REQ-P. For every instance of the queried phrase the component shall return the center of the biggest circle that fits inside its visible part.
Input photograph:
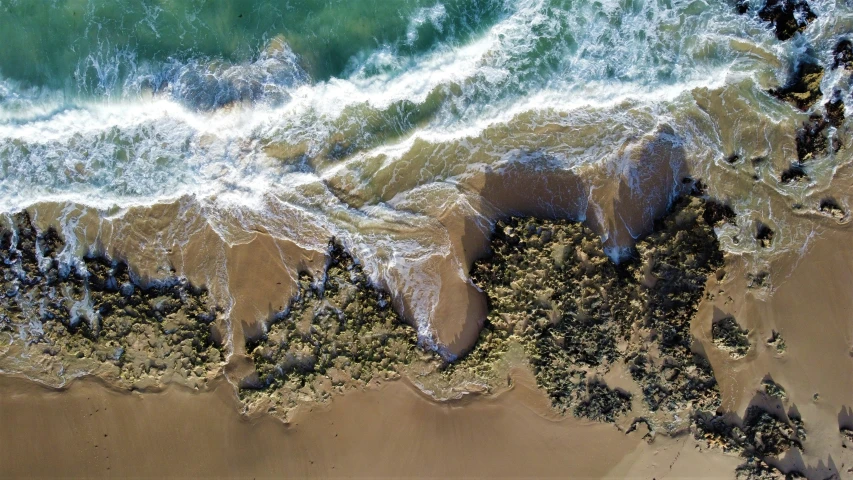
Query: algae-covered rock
(761, 434)
(95, 317)
(831, 208)
(768, 434)
(776, 341)
(794, 174)
(773, 389)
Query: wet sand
(90, 430)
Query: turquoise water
(369, 120)
(97, 47)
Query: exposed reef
(339, 331)
(550, 281)
(96, 317)
(552, 291)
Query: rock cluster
(95, 317)
(765, 432)
(338, 331)
(835, 109)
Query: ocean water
(375, 121)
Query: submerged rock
(773, 389)
(717, 213)
(760, 435)
(764, 235)
(803, 87)
(787, 16)
(96, 318)
(776, 341)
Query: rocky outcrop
(95, 317)
(803, 87)
(602, 403)
(787, 16)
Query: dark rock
(787, 16)
(591, 302)
(773, 389)
(842, 55)
(81, 312)
(811, 138)
(759, 435)
(831, 208)
(793, 174)
(764, 235)
(803, 87)
(342, 322)
(717, 213)
(777, 342)
(755, 469)
(835, 109)
(768, 434)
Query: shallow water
(403, 128)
